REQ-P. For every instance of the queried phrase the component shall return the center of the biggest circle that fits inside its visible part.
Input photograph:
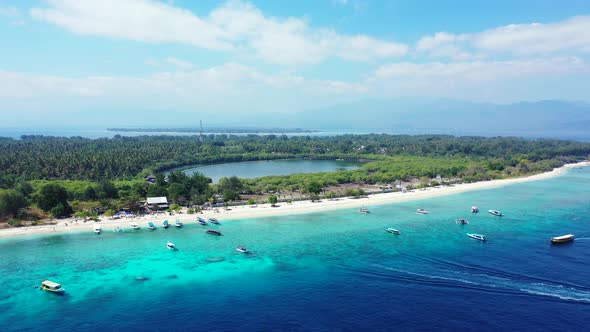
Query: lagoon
(259, 168)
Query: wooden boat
(178, 224)
(97, 229)
(477, 236)
(474, 209)
(213, 221)
(165, 224)
(152, 226)
(462, 221)
(201, 221)
(563, 238)
(134, 225)
(242, 249)
(392, 231)
(364, 210)
(495, 213)
(53, 287)
(422, 211)
(213, 232)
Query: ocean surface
(336, 270)
(579, 135)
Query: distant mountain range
(451, 116)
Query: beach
(71, 225)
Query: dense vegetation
(56, 176)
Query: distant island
(217, 130)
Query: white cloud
(217, 82)
(235, 26)
(570, 35)
(9, 11)
(473, 80)
(181, 64)
(139, 20)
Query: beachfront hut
(157, 203)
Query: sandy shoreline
(299, 207)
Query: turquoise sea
(336, 270)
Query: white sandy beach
(265, 210)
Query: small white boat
(422, 211)
(134, 225)
(97, 229)
(364, 210)
(178, 224)
(474, 209)
(53, 287)
(392, 231)
(213, 221)
(462, 221)
(477, 236)
(201, 221)
(242, 249)
(170, 246)
(495, 213)
(563, 238)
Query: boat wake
(478, 278)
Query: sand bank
(265, 210)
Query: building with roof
(157, 203)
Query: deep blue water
(336, 270)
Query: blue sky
(65, 57)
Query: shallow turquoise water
(325, 271)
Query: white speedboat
(201, 221)
(474, 209)
(170, 246)
(422, 211)
(134, 225)
(97, 229)
(392, 231)
(495, 213)
(563, 238)
(178, 224)
(213, 221)
(477, 236)
(242, 249)
(364, 210)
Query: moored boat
(422, 211)
(213, 221)
(97, 229)
(170, 246)
(53, 287)
(392, 231)
(242, 249)
(462, 221)
(364, 210)
(495, 213)
(165, 224)
(178, 223)
(152, 226)
(134, 225)
(477, 236)
(213, 232)
(563, 238)
(201, 221)
(474, 209)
